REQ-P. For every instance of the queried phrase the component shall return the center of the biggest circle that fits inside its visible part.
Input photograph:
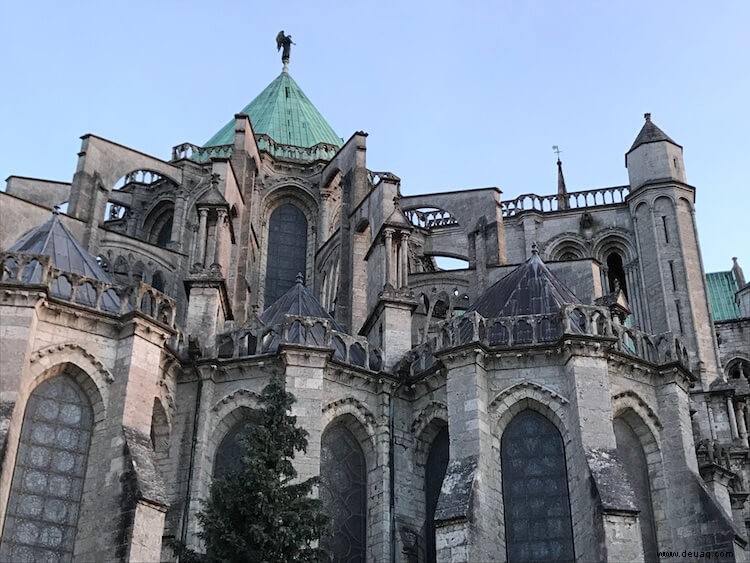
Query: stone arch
(294, 194)
(628, 419)
(631, 400)
(52, 461)
(235, 409)
(68, 361)
(93, 376)
(737, 366)
(433, 411)
(514, 398)
(536, 487)
(568, 243)
(345, 446)
(157, 224)
(364, 428)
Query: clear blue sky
(453, 94)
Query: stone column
(219, 236)
(388, 243)
(203, 216)
(741, 423)
(404, 260)
(732, 419)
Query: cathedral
(551, 377)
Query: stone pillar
(732, 419)
(305, 368)
(388, 244)
(202, 230)
(466, 514)
(741, 423)
(404, 260)
(220, 237)
(178, 221)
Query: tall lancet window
(287, 251)
(45, 494)
(630, 451)
(343, 492)
(437, 464)
(538, 526)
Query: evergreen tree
(259, 513)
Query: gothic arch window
(157, 281)
(538, 526)
(738, 368)
(437, 464)
(343, 491)
(45, 494)
(287, 250)
(228, 458)
(630, 452)
(616, 272)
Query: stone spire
(562, 192)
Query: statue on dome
(285, 41)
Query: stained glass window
(287, 251)
(228, 457)
(631, 453)
(343, 491)
(42, 514)
(538, 526)
(437, 463)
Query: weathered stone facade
(589, 309)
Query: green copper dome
(286, 115)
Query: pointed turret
(654, 157)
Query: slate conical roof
(284, 113)
(53, 239)
(298, 300)
(650, 133)
(530, 289)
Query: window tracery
(538, 525)
(45, 496)
(343, 492)
(287, 250)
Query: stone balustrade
(430, 218)
(301, 331)
(575, 200)
(321, 151)
(36, 270)
(525, 331)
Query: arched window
(164, 234)
(616, 273)
(538, 526)
(157, 281)
(228, 457)
(287, 251)
(437, 464)
(343, 491)
(630, 452)
(45, 494)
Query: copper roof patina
(284, 113)
(721, 288)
